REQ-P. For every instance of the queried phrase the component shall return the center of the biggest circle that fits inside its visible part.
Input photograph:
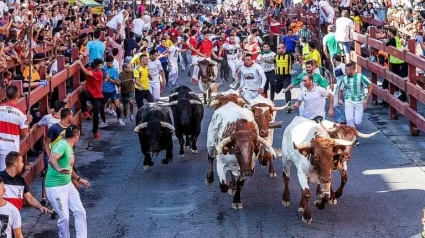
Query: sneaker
(103, 125)
(96, 135)
(131, 118)
(125, 120)
(113, 113)
(121, 122)
(356, 143)
(86, 115)
(194, 80)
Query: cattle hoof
(307, 221)
(194, 152)
(208, 183)
(273, 175)
(145, 166)
(237, 205)
(224, 188)
(333, 202)
(230, 191)
(301, 209)
(286, 204)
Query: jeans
(270, 81)
(86, 96)
(338, 110)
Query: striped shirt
(304, 33)
(354, 87)
(15, 189)
(12, 120)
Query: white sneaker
(103, 125)
(121, 122)
(113, 113)
(131, 118)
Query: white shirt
(116, 65)
(13, 120)
(173, 54)
(3, 9)
(231, 51)
(54, 68)
(258, 40)
(343, 26)
(328, 8)
(252, 78)
(345, 3)
(117, 19)
(314, 103)
(10, 219)
(48, 120)
(155, 68)
(267, 56)
(138, 25)
(339, 71)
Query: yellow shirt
(35, 76)
(168, 43)
(306, 52)
(136, 59)
(357, 19)
(141, 74)
(316, 56)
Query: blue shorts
(345, 46)
(110, 95)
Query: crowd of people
(151, 48)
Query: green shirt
(53, 177)
(354, 87)
(317, 80)
(332, 45)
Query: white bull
(306, 144)
(233, 139)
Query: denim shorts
(110, 95)
(345, 46)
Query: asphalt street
(384, 196)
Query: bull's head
(183, 109)
(222, 100)
(263, 114)
(320, 151)
(205, 71)
(244, 145)
(345, 132)
(155, 131)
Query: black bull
(188, 112)
(155, 132)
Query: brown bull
(348, 133)
(206, 79)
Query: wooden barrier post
(357, 47)
(61, 87)
(373, 75)
(413, 102)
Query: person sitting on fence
(33, 79)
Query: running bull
(234, 141)
(306, 144)
(188, 112)
(155, 132)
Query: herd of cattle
(240, 133)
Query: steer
(344, 132)
(309, 147)
(233, 139)
(188, 112)
(155, 132)
(265, 112)
(225, 97)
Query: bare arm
(85, 71)
(18, 232)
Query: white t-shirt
(252, 78)
(138, 25)
(10, 219)
(343, 26)
(173, 54)
(3, 8)
(345, 3)
(329, 10)
(48, 120)
(13, 119)
(231, 51)
(117, 19)
(53, 68)
(267, 56)
(154, 69)
(258, 40)
(314, 103)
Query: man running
(253, 79)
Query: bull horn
(366, 136)
(266, 144)
(192, 93)
(281, 108)
(343, 142)
(174, 94)
(195, 102)
(140, 126)
(219, 146)
(167, 125)
(170, 104)
(302, 145)
(214, 102)
(329, 130)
